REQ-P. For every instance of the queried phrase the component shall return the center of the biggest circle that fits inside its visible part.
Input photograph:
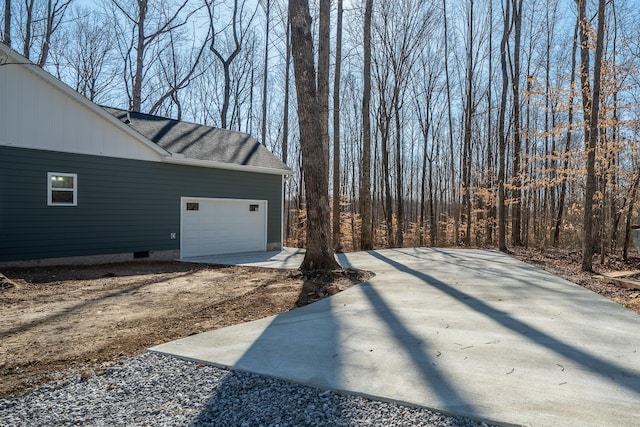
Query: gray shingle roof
(201, 142)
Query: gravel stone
(160, 390)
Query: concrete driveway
(467, 332)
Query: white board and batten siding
(222, 226)
(48, 115)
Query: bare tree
(141, 46)
(468, 121)
(267, 13)
(565, 163)
(90, 55)
(37, 24)
(452, 171)
(502, 136)
(285, 118)
(366, 240)
(591, 102)
(239, 29)
(319, 254)
(177, 71)
(54, 16)
(516, 193)
(424, 99)
(400, 31)
(336, 131)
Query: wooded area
(467, 122)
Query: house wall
(123, 205)
(36, 113)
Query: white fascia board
(18, 60)
(181, 160)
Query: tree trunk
(632, 203)
(285, 119)
(324, 38)
(491, 216)
(454, 207)
(319, 254)
(6, 37)
(366, 240)
(26, 51)
(336, 133)
(516, 194)
(265, 74)
(136, 98)
(226, 62)
(502, 240)
(399, 240)
(591, 126)
(44, 51)
(468, 119)
(384, 124)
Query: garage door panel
(223, 226)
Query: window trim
(50, 189)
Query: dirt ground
(78, 320)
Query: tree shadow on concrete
(624, 377)
(312, 333)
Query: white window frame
(50, 189)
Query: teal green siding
(123, 205)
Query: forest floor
(78, 320)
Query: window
(193, 206)
(253, 208)
(62, 189)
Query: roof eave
(227, 166)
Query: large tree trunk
(591, 101)
(319, 253)
(336, 132)
(366, 240)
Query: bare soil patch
(78, 320)
(567, 264)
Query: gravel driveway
(158, 390)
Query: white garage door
(222, 226)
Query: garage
(222, 226)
